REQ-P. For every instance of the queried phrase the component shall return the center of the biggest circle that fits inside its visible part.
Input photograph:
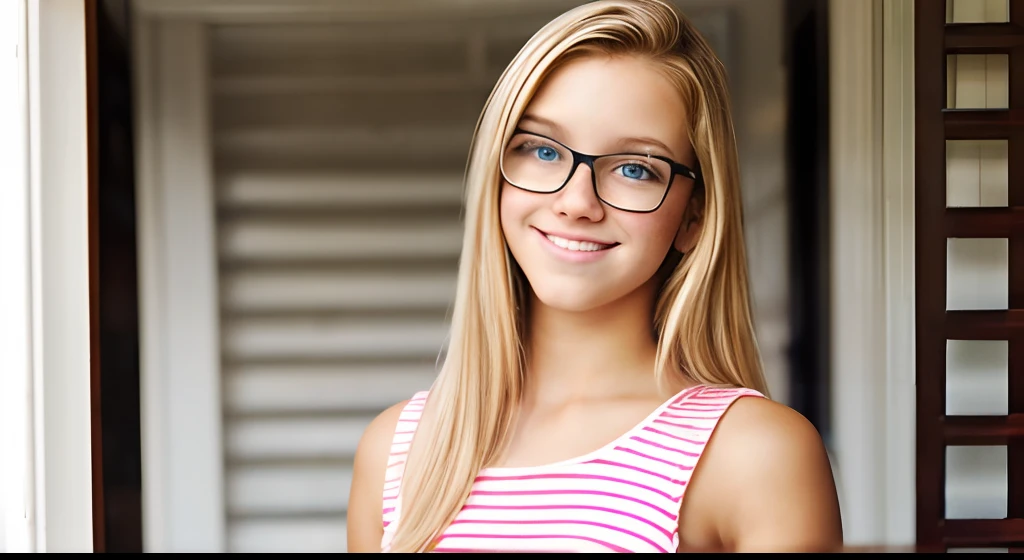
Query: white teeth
(576, 245)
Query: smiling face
(578, 252)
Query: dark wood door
(936, 223)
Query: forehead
(595, 102)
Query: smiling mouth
(580, 246)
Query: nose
(578, 198)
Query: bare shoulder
(365, 504)
(763, 426)
(772, 479)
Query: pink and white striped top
(623, 497)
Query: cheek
(657, 231)
(514, 206)
(656, 238)
(506, 210)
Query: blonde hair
(703, 318)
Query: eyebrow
(541, 121)
(643, 142)
(631, 143)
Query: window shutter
(339, 153)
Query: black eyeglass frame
(589, 159)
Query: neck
(600, 352)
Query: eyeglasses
(629, 182)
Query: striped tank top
(623, 497)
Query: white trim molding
(898, 189)
(17, 487)
(183, 472)
(871, 143)
(46, 459)
(58, 178)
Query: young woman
(601, 331)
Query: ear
(693, 221)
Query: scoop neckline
(604, 448)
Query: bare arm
(365, 503)
(770, 482)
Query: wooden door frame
(936, 124)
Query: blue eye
(633, 171)
(547, 153)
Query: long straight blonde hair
(703, 317)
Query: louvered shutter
(339, 151)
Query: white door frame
(872, 201)
(182, 475)
(872, 266)
(46, 459)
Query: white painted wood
(311, 190)
(980, 81)
(276, 535)
(963, 173)
(971, 81)
(977, 173)
(858, 296)
(344, 144)
(150, 286)
(17, 466)
(58, 275)
(993, 173)
(312, 337)
(289, 489)
(977, 272)
(302, 239)
(349, 289)
(997, 81)
(897, 504)
(58, 175)
(872, 268)
(183, 495)
(977, 11)
(977, 377)
(272, 389)
(296, 438)
(976, 482)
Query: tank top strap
(689, 420)
(408, 420)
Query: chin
(575, 299)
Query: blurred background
(279, 227)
